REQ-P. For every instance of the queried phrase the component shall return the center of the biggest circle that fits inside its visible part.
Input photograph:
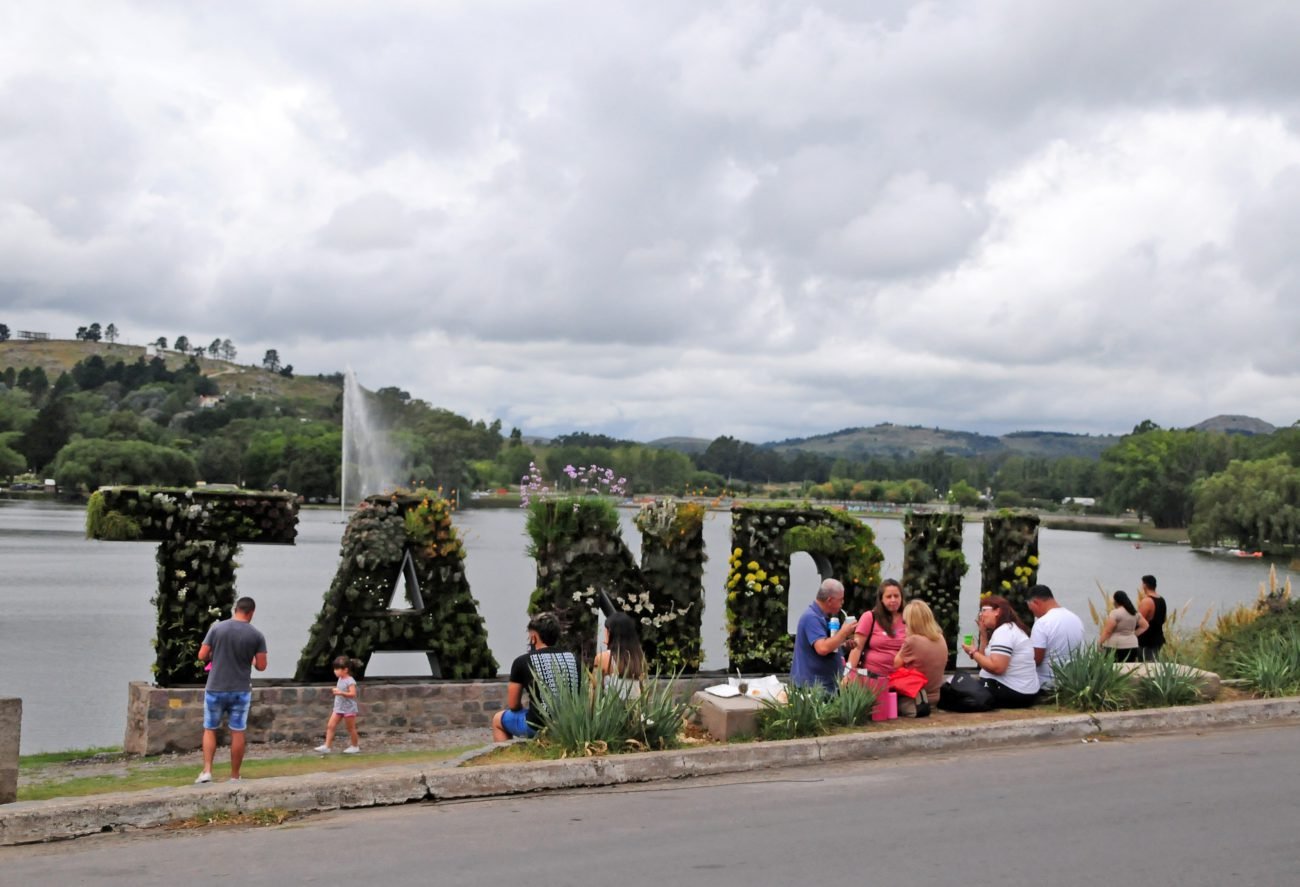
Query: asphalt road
(1214, 809)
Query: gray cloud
(678, 219)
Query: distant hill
(888, 439)
(57, 356)
(688, 445)
(1235, 425)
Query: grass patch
(35, 762)
(143, 773)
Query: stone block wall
(162, 719)
(11, 718)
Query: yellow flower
(752, 565)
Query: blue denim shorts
(233, 704)
(516, 723)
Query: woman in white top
(622, 663)
(1004, 654)
(1122, 627)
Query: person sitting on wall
(621, 665)
(556, 668)
(880, 633)
(1056, 634)
(924, 648)
(1004, 654)
(817, 659)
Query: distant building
(29, 336)
(1082, 501)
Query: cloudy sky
(764, 219)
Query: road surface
(1212, 809)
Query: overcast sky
(764, 219)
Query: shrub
(804, 714)
(1089, 681)
(591, 719)
(658, 715)
(851, 707)
(585, 718)
(1244, 637)
(1166, 683)
(1269, 663)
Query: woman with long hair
(1004, 654)
(622, 663)
(924, 648)
(880, 633)
(1121, 629)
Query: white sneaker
(323, 749)
(352, 750)
(205, 776)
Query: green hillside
(56, 356)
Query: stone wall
(161, 719)
(11, 718)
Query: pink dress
(879, 659)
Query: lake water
(76, 624)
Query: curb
(39, 821)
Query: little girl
(345, 706)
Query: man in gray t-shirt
(234, 648)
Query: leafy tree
(1153, 471)
(214, 348)
(110, 333)
(90, 464)
(80, 334)
(34, 381)
(182, 344)
(52, 429)
(228, 351)
(516, 439)
(11, 461)
(4, 333)
(219, 461)
(160, 343)
(1253, 504)
(287, 371)
(94, 333)
(963, 495)
(271, 360)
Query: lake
(76, 624)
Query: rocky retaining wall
(162, 719)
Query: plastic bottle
(833, 624)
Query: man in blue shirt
(817, 658)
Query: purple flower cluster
(592, 479)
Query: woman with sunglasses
(1004, 654)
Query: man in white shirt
(1056, 634)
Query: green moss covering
(396, 542)
(763, 539)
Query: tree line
(117, 422)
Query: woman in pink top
(881, 632)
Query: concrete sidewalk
(37, 821)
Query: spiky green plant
(1269, 663)
(1091, 680)
(1167, 683)
(803, 714)
(851, 707)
